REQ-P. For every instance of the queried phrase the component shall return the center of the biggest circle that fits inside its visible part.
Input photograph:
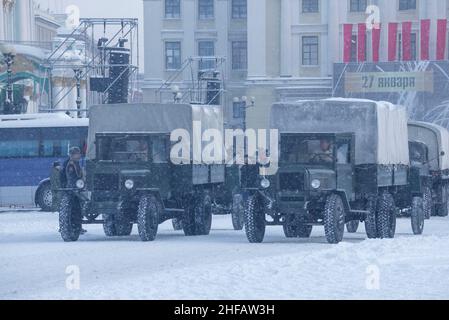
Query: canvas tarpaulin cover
(380, 128)
(436, 138)
(150, 118)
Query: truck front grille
(106, 182)
(293, 182)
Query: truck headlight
(80, 184)
(265, 183)
(129, 184)
(316, 184)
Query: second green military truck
(341, 161)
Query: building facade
(281, 50)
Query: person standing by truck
(72, 168)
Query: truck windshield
(316, 151)
(133, 149)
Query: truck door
(345, 166)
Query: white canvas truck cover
(437, 140)
(150, 118)
(380, 128)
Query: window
(173, 55)
(407, 4)
(237, 109)
(206, 49)
(239, 9)
(310, 6)
(310, 51)
(206, 9)
(239, 55)
(358, 5)
(172, 9)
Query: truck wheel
(293, 228)
(148, 217)
(238, 212)
(370, 219)
(352, 226)
(118, 225)
(386, 216)
(70, 220)
(255, 223)
(304, 231)
(177, 224)
(444, 209)
(109, 226)
(44, 197)
(334, 219)
(290, 227)
(417, 215)
(123, 223)
(198, 218)
(427, 203)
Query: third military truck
(429, 147)
(341, 162)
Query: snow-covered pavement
(35, 263)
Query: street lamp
(244, 106)
(9, 54)
(78, 75)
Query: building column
(257, 39)
(286, 38)
(334, 50)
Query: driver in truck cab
(325, 154)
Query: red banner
(392, 41)
(347, 34)
(441, 38)
(376, 43)
(406, 41)
(425, 36)
(361, 39)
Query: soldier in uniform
(72, 168)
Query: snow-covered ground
(35, 263)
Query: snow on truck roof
(436, 138)
(380, 127)
(41, 120)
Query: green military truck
(132, 178)
(429, 146)
(341, 162)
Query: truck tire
(198, 218)
(417, 215)
(443, 211)
(177, 224)
(148, 217)
(427, 203)
(334, 219)
(70, 219)
(296, 229)
(238, 212)
(352, 226)
(255, 223)
(118, 225)
(371, 218)
(109, 226)
(44, 197)
(386, 216)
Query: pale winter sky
(103, 9)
